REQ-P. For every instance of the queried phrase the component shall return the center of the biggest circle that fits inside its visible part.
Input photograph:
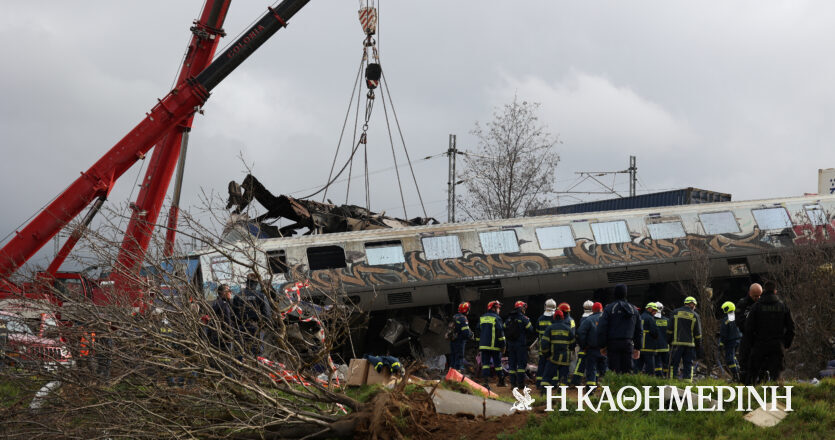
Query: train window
(816, 215)
(221, 269)
(326, 257)
(436, 248)
(384, 252)
(719, 223)
(555, 237)
(772, 218)
(499, 242)
(666, 230)
(277, 261)
(610, 232)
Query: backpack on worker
(513, 328)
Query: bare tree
(174, 366)
(513, 169)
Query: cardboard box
(357, 372)
(381, 378)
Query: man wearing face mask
(729, 337)
(252, 308)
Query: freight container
(686, 196)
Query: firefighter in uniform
(557, 343)
(589, 343)
(580, 366)
(729, 337)
(542, 324)
(769, 329)
(491, 341)
(662, 353)
(460, 335)
(649, 340)
(686, 334)
(517, 327)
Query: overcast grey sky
(735, 97)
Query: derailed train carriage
(406, 281)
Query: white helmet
(550, 305)
(588, 304)
(659, 306)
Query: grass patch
(813, 418)
(363, 393)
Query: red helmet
(596, 307)
(558, 314)
(464, 307)
(520, 304)
(493, 305)
(564, 307)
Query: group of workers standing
(621, 338)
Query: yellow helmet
(689, 300)
(728, 307)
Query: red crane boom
(172, 110)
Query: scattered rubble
(316, 217)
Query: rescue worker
(769, 329)
(589, 343)
(517, 327)
(662, 353)
(378, 362)
(542, 324)
(222, 330)
(253, 311)
(556, 343)
(491, 341)
(742, 309)
(729, 337)
(649, 340)
(460, 335)
(579, 366)
(620, 332)
(686, 335)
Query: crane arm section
(173, 109)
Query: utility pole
(633, 176)
(610, 189)
(451, 183)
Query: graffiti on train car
(474, 265)
(641, 249)
(417, 269)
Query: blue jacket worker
(460, 335)
(517, 328)
(491, 341)
(729, 337)
(542, 324)
(650, 340)
(686, 335)
(662, 352)
(557, 343)
(590, 344)
(620, 331)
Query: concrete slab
(450, 402)
(767, 419)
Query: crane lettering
(244, 41)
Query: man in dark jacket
(222, 328)
(769, 329)
(620, 330)
(685, 334)
(491, 341)
(729, 337)
(460, 335)
(662, 353)
(517, 328)
(253, 311)
(742, 309)
(650, 337)
(589, 342)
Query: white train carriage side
(389, 269)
